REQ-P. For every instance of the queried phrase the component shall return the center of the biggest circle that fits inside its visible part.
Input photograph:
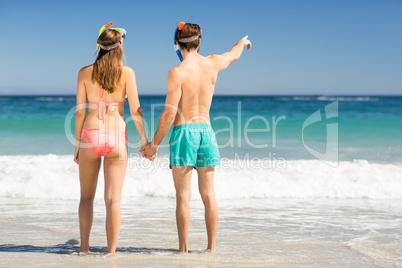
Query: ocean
(304, 181)
(369, 127)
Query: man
(193, 143)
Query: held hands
(149, 151)
(246, 42)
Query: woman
(103, 131)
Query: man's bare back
(197, 76)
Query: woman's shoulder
(127, 70)
(127, 73)
(86, 69)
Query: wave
(56, 176)
(55, 98)
(329, 98)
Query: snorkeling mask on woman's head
(120, 30)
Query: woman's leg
(115, 165)
(89, 165)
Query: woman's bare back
(100, 115)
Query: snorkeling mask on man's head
(182, 40)
(120, 30)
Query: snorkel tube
(176, 48)
(103, 28)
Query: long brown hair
(108, 66)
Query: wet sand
(252, 233)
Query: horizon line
(220, 95)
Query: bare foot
(109, 255)
(84, 250)
(181, 251)
(208, 250)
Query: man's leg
(182, 183)
(206, 188)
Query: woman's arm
(135, 108)
(80, 112)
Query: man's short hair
(189, 30)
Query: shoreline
(239, 156)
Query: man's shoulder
(215, 60)
(175, 71)
(175, 75)
(214, 56)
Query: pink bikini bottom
(103, 141)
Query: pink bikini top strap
(100, 92)
(105, 104)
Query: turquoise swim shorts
(193, 145)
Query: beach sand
(252, 233)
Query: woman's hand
(149, 151)
(76, 153)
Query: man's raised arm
(224, 60)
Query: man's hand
(149, 151)
(246, 42)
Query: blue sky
(299, 46)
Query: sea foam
(56, 176)
(330, 98)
